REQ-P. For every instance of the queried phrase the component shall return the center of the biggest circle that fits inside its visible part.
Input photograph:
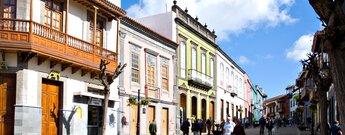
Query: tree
(107, 80)
(331, 13)
(322, 83)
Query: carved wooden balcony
(43, 41)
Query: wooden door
(134, 119)
(212, 112)
(151, 116)
(7, 101)
(50, 108)
(165, 121)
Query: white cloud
(300, 48)
(227, 17)
(243, 60)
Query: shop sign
(95, 102)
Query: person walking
(269, 126)
(262, 123)
(335, 128)
(201, 126)
(153, 128)
(228, 127)
(238, 129)
(208, 126)
(195, 127)
(185, 127)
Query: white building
(50, 53)
(230, 88)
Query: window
(194, 58)
(227, 75)
(211, 66)
(8, 8)
(99, 29)
(53, 15)
(182, 59)
(203, 63)
(135, 70)
(221, 71)
(165, 72)
(151, 70)
(232, 78)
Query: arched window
(194, 58)
(227, 75)
(221, 72)
(182, 59)
(211, 67)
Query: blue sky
(267, 38)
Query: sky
(267, 38)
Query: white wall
(163, 23)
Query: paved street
(279, 131)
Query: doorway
(7, 101)
(51, 104)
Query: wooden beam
(93, 75)
(65, 66)
(41, 59)
(28, 56)
(84, 72)
(53, 63)
(75, 69)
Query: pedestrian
(201, 126)
(269, 126)
(335, 128)
(153, 128)
(228, 127)
(262, 123)
(208, 125)
(195, 127)
(238, 129)
(246, 122)
(185, 127)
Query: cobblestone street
(279, 131)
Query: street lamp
(138, 119)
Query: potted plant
(312, 108)
(132, 101)
(145, 102)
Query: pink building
(248, 99)
(150, 60)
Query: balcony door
(98, 40)
(8, 10)
(53, 15)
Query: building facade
(248, 96)
(151, 68)
(230, 88)
(50, 55)
(196, 61)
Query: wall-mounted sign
(95, 101)
(55, 75)
(3, 65)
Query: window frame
(165, 62)
(52, 10)
(2, 11)
(135, 50)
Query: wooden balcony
(17, 35)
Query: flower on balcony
(296, 97)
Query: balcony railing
(53, 42)
(200, 79)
